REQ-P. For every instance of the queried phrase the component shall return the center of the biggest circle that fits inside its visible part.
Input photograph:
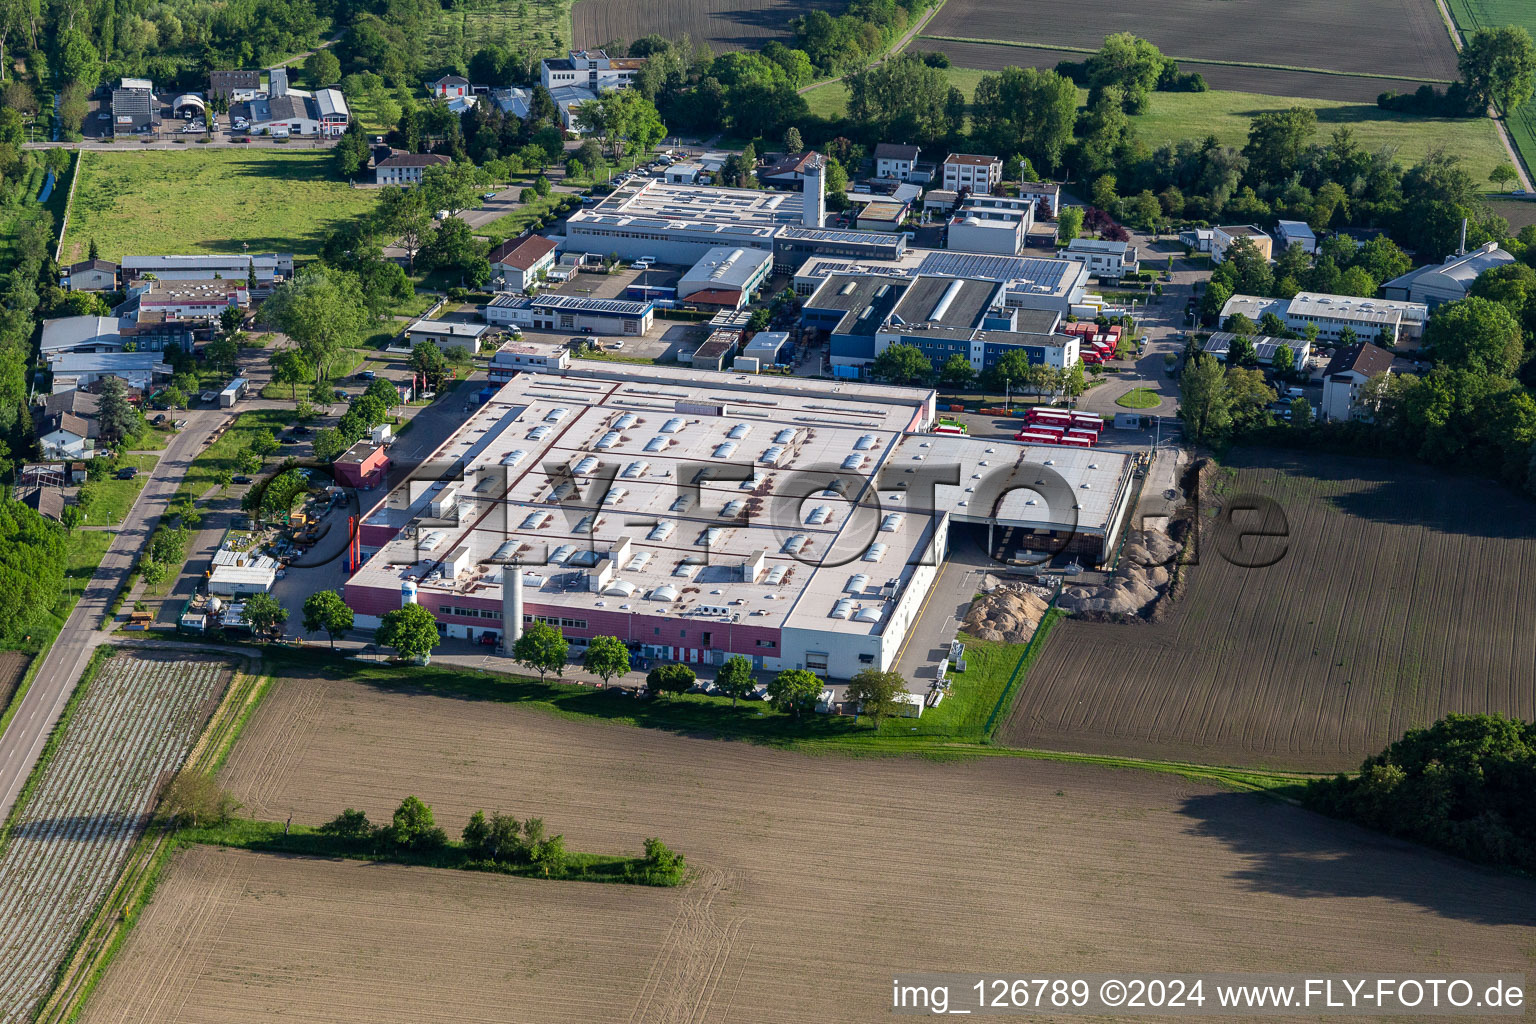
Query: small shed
(237, 580)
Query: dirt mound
(1140, 580)
(1009, 613)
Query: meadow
(201, 200)
(1471, 15)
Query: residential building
(788, 171)
(895, 161)
(1198, 239)
(283, 111)
(590, 69)
(407, 168)
(89, 276)
(363, 466)
(1436, 284)
(447, 334)
(47, 502)
(1223, 236)
(571, 313)
(1103, 257)
(450, 87)
(980, 174)
(65, 435)
(1388, 320)
(1295, 232)
(997, 225)
(1346, 375)
(1219, 345)
(725, 277)
(234, 86)
(517, 263)
(1038, 192)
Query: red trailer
(1081, 434)
(1049, 415)
(1072, 441)
(1088, 421)
(1035, 437)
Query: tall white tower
(511, 605)
(814, 208)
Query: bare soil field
(1389, 37)
(820, 878)
(723, 24)
(1269, 81)
(1403, 595)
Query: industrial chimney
(511, 605)
(814, 210)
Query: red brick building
(362, 466)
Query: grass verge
(307, 841)
(107, 499)
(1139, 398)
(220, 456)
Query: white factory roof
(1253, 306)
(1023, 274)
(728, 267)
(1316, 305)
(448, 328)
(818, 427)
(601, 475)
(1462, 269)
(650, 204)
(331, 101)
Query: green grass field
(1139, 398)
(108, 499)
(218, 457)
(208, 201)
(542, 27)
(1193, 115)
(1472, 15)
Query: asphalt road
(24, 738)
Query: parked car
(341, 396)
(366, 375)
(242, 479)
(489, 195)
(127, 473)
(617, 345)
(301, 431)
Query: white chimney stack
(511, 605)
(814, 210)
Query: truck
(382, 434)
(233, 392)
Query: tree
(669, 678)
(71, 517)
(222, 352)
(116, 418)
(323, 310)
(411, 631)
(32, 560)
(193, 798)
(902, 364)
(321, 69)
(793, 145)
(1271, 326)
(351, 825)
(1203, 404)
(453, 188)
(542, 648)
(1069, 223)
(836, 180)
(795, 690)
(735, 677)
(1025, 110)
(1475, 334)
(1503, 174)
(606, 657)
(957, 372)
(1238, 323)
(1498, 65)
(877, 694)
(1242, 351)
(290, 367)
(264, 615)
(414, 828)
(325, 610)
(404, 216)
(427, 361)
(1284, 360)
(330, 444)
(455, 248)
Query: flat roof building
(571, 313)
(1436, 284)
(668, 507)
(728, 276)
(1369, 319)
(447, 334)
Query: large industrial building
(1054, 285)
(695, 515)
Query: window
(767, 643)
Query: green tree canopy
(411, 631)
(1203, 404)
(325, 610)
(877, 694)
(264, 615)
(795, 690)
(606, 657)
(903, 364)
(1475, 334)
(542, 648)
(670, 678)
(735, 677)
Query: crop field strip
(1270, 81)
(1387, 38)
(129, 731)
(723, 24)
(1403, 596)
(1002, 862)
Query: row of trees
(907, 364)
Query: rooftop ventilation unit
(842, 609)
(875, 553)
(585, 466)
(710, 535)
(556, 415)
(638, 562)
(739, 431)
(513, 457)
(773, 454)
(560, 491)
(732, 509)
(775, 575)
(725, 450)
(890, 523)
(857, 583)
(635, 469)
(534, 520)
(661, 531)
(819, 515)
(673, 425)
(665, 592)
(794, 544)
(584, 525)
(864, 443)
(608, 440)
(869, 613)
(682, 502)
(623, 421)
(655, 444)
(539, 432)
(784, 436)
(561, 553)
(619, 588)
(853, 461)
(614, 496)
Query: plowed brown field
(723, 24)
(820, 878)
(1404, 595)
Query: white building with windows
(978, 173)
(1369, 319)
(895, 161)
(1103, 257)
